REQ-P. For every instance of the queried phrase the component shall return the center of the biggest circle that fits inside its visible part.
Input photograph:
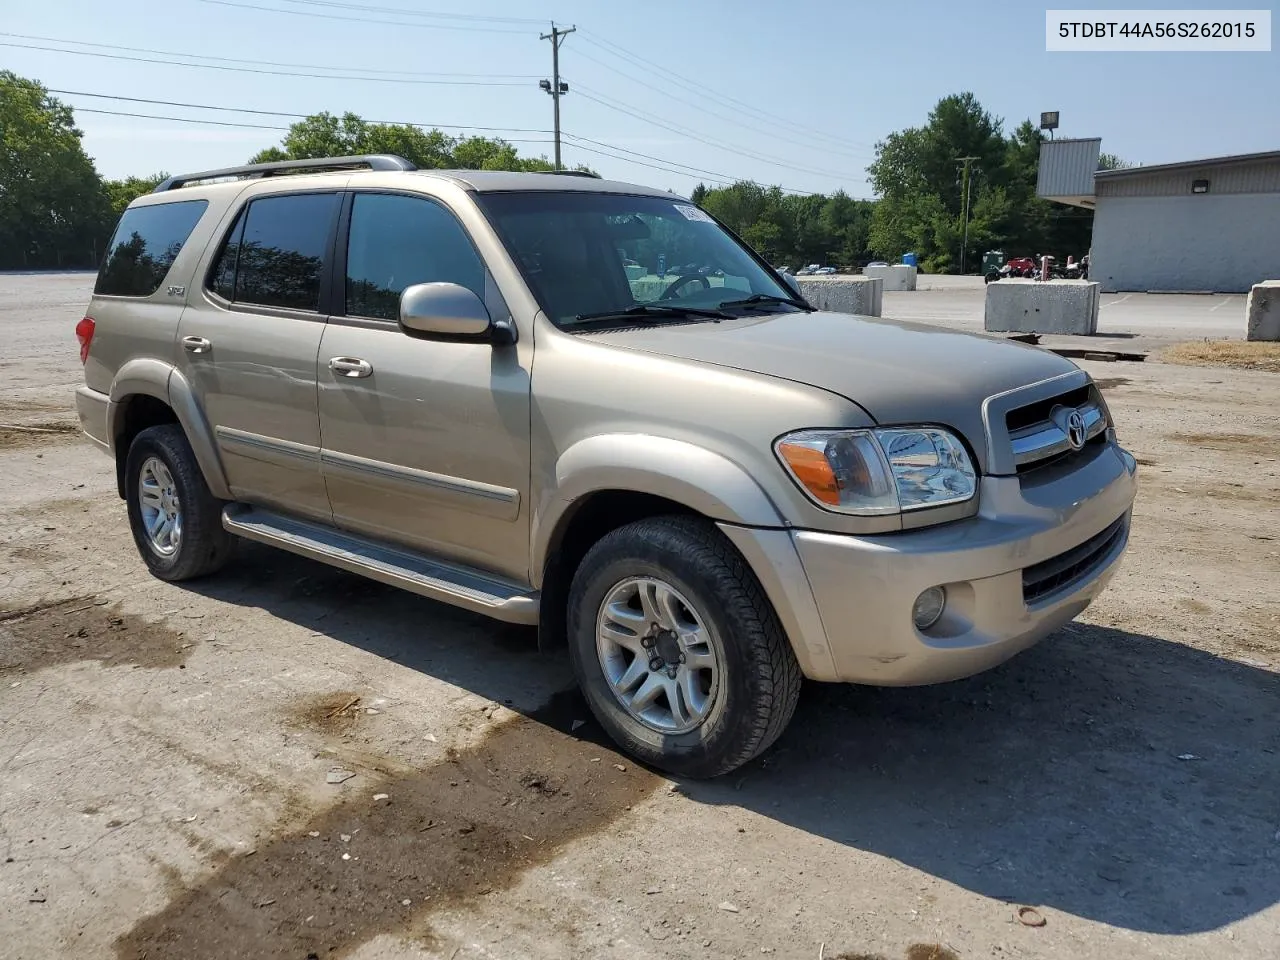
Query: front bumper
(853, 622)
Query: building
(1199, 226)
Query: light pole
(965, 243)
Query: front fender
(685, 473)
(155, 378)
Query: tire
(201, 545)
(749, 696)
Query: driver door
(424, 442)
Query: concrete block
(896, 276)
(861, 295)
(1036, 306)
(1263, 311)
(905, 275)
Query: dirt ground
(286, 761)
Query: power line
(719, 179)
(641, 163)
(405, 11)
(338, 16)
(721, 116)
(272, 73)
(686, 170)
(280, 113)
(668, 166)
(267, 63)
(148, 116)
(701, 90)
(721, 145)
(693, 170)
(223, 123)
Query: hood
(899, 373)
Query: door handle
(196, 345)
(351, 367)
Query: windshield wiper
(648, 310)
(765, 299)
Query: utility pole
(554, 86)
(965, 243)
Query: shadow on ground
(1117, 777)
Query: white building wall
(1219, 243)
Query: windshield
(589, 255)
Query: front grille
(1058, 573)
(1038, 412)
(1039, 441)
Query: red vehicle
(1021, 267)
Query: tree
(328, 135)
(53, 207)
(121, 193)
(1109, 161)
(918, 174)
(792, 228)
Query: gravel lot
(165, 750)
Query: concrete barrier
(1262, 313)
(1038, 306)
(896, 276)
(860, 295)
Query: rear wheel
(677, 650)
(175, 520)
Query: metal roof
(1270, 155)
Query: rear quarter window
(146, 242)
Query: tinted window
(144, 246)
(399, 241)
(223, 279)
(595, 253)
(282, 249)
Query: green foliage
(1109, 161)
(919, 178)
(121, 193)
(791, 229)
(919, 174)
(56, 211)
(327, 135)
(53, 207)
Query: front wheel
(677, 650)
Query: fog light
(928, 607)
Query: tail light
(84, 333)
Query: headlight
(873, 472)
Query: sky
(662, 93)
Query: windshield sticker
(693, 213)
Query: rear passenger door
(248, 346)
(427, 442)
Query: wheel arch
(147, 392)
(607, 481)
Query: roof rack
(569, 173)
(319, 165)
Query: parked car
(442, 381)
(876, 263)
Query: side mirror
(794, 284)
(444, 310)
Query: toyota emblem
(1076, 434)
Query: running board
(415, 572)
